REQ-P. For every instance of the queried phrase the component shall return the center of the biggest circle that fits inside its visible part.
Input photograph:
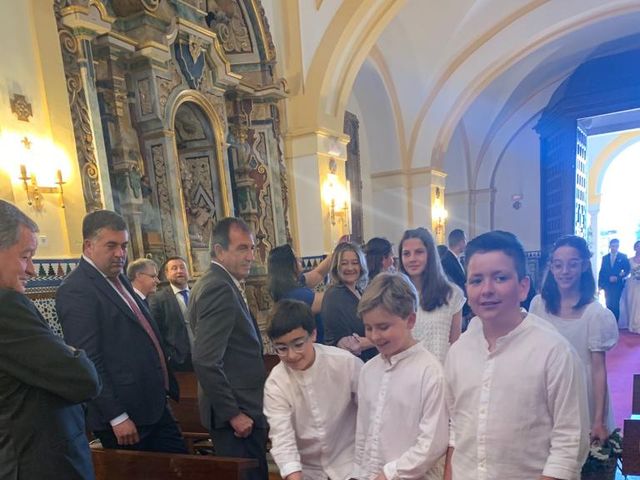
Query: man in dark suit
(169, 308)
(100, 313)
(452, 266)
(613, 271)
(227, 352)
(143, 275)
(42, 380)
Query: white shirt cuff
(289, 468)
(119, 419)
(390, 470)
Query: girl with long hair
(287, 280)
(343, 327)
(568, 302)
(439, 318)
(379, 254)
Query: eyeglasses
(152, 275)
(297, 346)
(571, 265)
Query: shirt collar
(239, 284)
(90, 262)
(177, 290)
(139, 293)
(398, 357)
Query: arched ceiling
(492, 63)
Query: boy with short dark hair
(516, 394)
(310, 399)
(402, 427)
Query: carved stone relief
(163, 199)
(228, 22)
(167, 85)
(144, 94)
(71, 53)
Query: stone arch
(346, 43)
(603, 160)
(198, 158)
(477, 84)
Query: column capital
(321, 142)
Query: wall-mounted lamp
(35, 191)
(335, 195)
(438, 213)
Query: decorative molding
(164, 199)
(21, 107)
(83, 133)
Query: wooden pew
(127, 464)
(631, 434)
(186, 411)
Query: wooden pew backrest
(126, 464)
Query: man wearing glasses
(143, 275)
(312, 427)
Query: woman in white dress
(568, 302)
(630, 300)
(439, 317)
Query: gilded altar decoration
(227, 19)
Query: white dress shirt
(402, 417)
(520, 411)
(312, 415)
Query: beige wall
(32, 66)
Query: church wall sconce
(335, 196)
(438, 213)
(35, 192)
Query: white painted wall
(519, 172)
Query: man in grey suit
(42, 380)
(169, 308)
(227, 351)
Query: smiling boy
(310, 399)
(515, 390)
(402, 416)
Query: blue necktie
(185, 296)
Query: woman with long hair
(567, 301)
(439, 318)
(379, 254)
(287, 280)
(342, 326)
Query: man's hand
(613, 278)
(242, 425)
(294, 476)
(126, 433)
(380, 476)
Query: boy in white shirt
(402, 430)
(310, 399)
(516, 394)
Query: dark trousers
(612, 297)
(226, 444)
(163, 436)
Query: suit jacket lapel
(238, 293)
